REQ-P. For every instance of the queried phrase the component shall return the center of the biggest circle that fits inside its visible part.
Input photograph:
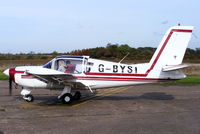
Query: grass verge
(2, 76)
(189, 80)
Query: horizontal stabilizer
(173, 67)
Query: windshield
(48, 65)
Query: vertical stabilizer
(172, 47)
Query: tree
(54, 54)
(123, 50)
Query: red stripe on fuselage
(26, 77)
(154, 62)
(115, 74)
(122, 79)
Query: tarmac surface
(144, 109)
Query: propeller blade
(10, 86)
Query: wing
(51, 76)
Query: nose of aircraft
(6, 72)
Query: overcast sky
(65, 25)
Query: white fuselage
(103, 74)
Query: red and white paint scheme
(71, 73)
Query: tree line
(117, 52)
(112, 52)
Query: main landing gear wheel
(77, 95)
(29, 98)
(67, 98)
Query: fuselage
(97, 73)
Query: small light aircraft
(73, 73)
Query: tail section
(172, 47)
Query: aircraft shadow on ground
(146, 96)
(44, 101)
(53, 101)
(48, 101)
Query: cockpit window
(69, 65)
(48, 65)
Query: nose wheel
(26, 93)
(28, 98)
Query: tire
(29, 98)
(67, 98)
(77, 95)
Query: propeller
(10, 86)
(10, 73)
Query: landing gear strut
(77, 95)
(26, 93)
(66, 97)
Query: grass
(2, 76)
(194, 79)
(189, 80)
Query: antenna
(124, 57)
(195, 35)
